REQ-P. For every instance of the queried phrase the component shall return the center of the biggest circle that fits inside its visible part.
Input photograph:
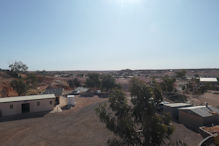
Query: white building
(71, 100)
(26, 104)
(208, 80)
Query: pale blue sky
(109, 34)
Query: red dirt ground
(79, 126)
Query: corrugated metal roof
(177, 104)
(208, 79)
(203, 111)
(192, 107)
(26, 98)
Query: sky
(109, 34)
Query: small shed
(197, 116)
(172, 109)
(71, 100)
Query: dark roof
(56, 91)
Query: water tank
(71, 100)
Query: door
(25, 108)
(0, 113)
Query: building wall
(193, 121)
(173, 111)
(44, 105)
(216, 140)
(190, 120)
(208, 121)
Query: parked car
(76, 92)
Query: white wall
(17, 108)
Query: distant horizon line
(82, 70)
(125, 69)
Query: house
(209, 81)
(26, 104)
(172, 109)
(197, 116)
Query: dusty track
(75, 128)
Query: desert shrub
(181, 74)
(19, 86)
(93, 80)
(176, 97)
(74, 83)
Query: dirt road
(76, 128)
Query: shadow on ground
(23, 116)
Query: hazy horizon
(109, 34)
(155, 69)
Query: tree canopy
(181, 74)
(108, 82)
(93, 80)
(136, 122)
(167, 85)
(19, 86)
(74, 83)
(105, 82)
(18, 66)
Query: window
(50, 102)
(38, 103)
(11, 106)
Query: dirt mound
(6, 90)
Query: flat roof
(192, 107)
(26, 98)
(177, 104)
(208, 79)
(70, 96)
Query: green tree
(93, 80)
(74, 83)
(167, 85)
(32, 80)
(196, 75)
(181, 74)
(19, 86)
(18, 66)
(108, 82)
(136, 122)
